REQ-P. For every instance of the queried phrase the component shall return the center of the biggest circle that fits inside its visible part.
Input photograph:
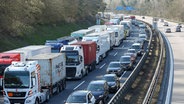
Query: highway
(100, 70)
(176, 40)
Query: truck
(103, 44)
(127, 27)
(31, 50)
(80, 33)
(20, 54)
(58, 43)
(112, 38)
(98, 28)
(55, 45)
(80, 59)
(119, 33)
(35, 80)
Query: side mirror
(80, 58)
(33, 82)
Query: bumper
(29, 100)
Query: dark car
(115, 67)
(166, 24)
(138, 48)
(100, 89)
(81, 97)
(178, 29)
(126, 62)
(180, 25)
(113, 82)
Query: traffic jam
(87, 67)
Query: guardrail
(152, 87)
(165, 95)
(117, 98)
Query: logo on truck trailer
(59, 68)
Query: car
(142, 31)
(81, 97)
(161, 20)
(100, 89)
(140, 41)
(178, 29)
(133, 54)
(138, 48)
(126, 62)
(143, 17)
(115, 67)
(142, 36)
(113, 82)
(168, 30)
(166, 24)
(180, 25)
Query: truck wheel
(87, 71)
(58, 89)
(37, 101)
(64, 84)
(47, 96)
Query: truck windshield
(72, 57)
(16, 79)
(2, 68)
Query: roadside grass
(40, 34)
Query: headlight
(28, 101)
(100, 96)
(6, 101)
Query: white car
(81, 97)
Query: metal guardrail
(152, 87)
(165, 95)
(117, 98)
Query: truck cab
(22, 84)
(6, 60)
(74, 61)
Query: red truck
(6, 60)
(80, 58)
(89, 50)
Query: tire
(37, 101)
(47, 96)
(58, 89)
(87, 71)
(101, 102)
(64, 84)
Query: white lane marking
(102, 65)
(79, 85)
(115, 53)
(122, 75)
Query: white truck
(127, 26)
(98, 28)
(82, 32)
(112, 38)
(119, 33)
(29, 51)
(80, 58)
(103, 44)
(32, 82)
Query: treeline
(169, 9)
(17, 17)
